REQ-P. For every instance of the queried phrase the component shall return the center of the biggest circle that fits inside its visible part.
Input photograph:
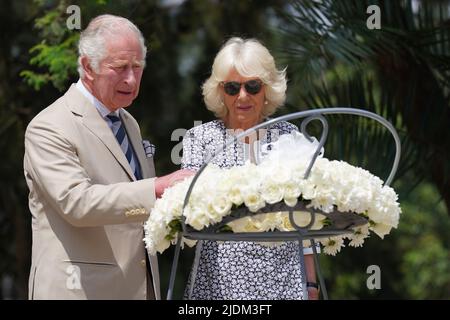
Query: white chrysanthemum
(332, 245)
(358, 236)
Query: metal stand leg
(302, 267)
(198, 250)
(174, 267)
(323, 289)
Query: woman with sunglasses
(245, 87)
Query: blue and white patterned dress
(239, 270)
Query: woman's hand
(313, 293)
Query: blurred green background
(400, 71)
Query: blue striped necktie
(122, 139)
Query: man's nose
(130, 78)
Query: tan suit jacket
(87, 207)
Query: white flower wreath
(279, 177)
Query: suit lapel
(92, 120)
(135, 138)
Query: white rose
(291, 190)
(253, 201)
(196, 217)
(308, 191)
(302, 218)
(291, 202)
(284, 223)
(235, 195)
(161, 246)
(189, 242)
(318, 221)
(381, 229)
(222, 205)
(272, 193)
(238, 225)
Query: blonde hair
(93, 39)
(250, 59)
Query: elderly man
(89, 178)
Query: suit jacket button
(143, 263)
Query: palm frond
(400, 72)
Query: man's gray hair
(93, 39)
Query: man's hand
(161, 183)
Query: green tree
(16, 21)
(400, 72)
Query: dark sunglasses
(232, 88)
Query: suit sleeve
(52, 164)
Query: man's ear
(86, 65)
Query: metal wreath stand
(341, 222)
